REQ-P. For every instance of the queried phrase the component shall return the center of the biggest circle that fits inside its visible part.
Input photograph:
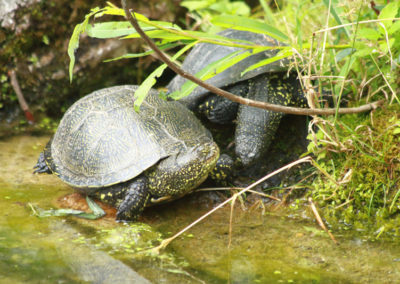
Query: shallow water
(264, 249)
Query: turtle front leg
(41, 166)
(134, 201)
(257, 127)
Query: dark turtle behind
(256, 127)
(107, 150)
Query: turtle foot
(41, 166)
(134, 201)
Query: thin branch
(238, 188)
(166, 242)
(20, 96)
(319, 220)
(232, 97)
(356, 23)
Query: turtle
(106, 150)
(270, 83)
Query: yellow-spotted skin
(256, 127)
(107, 150)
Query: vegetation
(354, 54)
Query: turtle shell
(102, 141)
(205, 53)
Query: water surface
(270, 248)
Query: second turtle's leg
(221, 110)
(256, 127)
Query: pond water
(269, 248)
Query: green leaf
(368, 33)
(115, 11)
(364, 52)
(215, 68)
(74, 40)
(122, 28)
(394, 28)
(98, 212)
(345, 69)
(388, 12)
(110, 29)
(269, 15)
(196, 5)
(136, 55)
(149, 82)
(335, 14)
(396, 130)
(396, 197)
(82, 27)
(232, 8)
(191, 35)
(204, 74)
(160, 34)
(384, 45)
(343, 53)
(246, 24)
(285, 53)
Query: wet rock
(7, 11)
(34, 38)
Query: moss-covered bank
(361, 154)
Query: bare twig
(356, 23)
(20, 96)
(319, 220)
(231, 221)
(232, 97)
(239, 188)
(166, 242)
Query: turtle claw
(134, 202)
(41, 166)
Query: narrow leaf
(246, 24)
(281, 55)
(344, 53)
(368, 33)
(269, 15)
(394, 28)
(74, 40)
(121, 28)
(215, 68)
(115, 11)
(336, 16)
(136, 55)
(195, 5)
(160, 34)
(149, 82)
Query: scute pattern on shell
(102, 141)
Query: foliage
(365, 166)
(353, 50)
(168, 33)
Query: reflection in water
(90, 264)
(265, 249)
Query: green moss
(364, 160)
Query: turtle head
(202, 157)
(180, 173)
(198, 162)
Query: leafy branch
(277, 108)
